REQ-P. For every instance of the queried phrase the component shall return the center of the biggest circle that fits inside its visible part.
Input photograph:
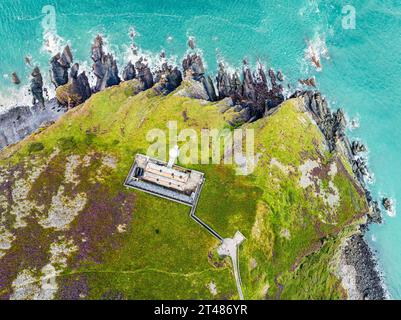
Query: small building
(165, 180)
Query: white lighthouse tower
(173, 155)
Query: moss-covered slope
(70, 229)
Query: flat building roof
(155, 177)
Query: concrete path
(229, 247)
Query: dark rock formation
(28, 61)
(144, 74)
(368, 282)
(255, 93)
(37, 87)
(360, 169)
(228, 85)
(374, 214)
(129, 72)
(209, 87)
(19, 122)
(104, 67)
(80, 84)
(311, 82)
(168, 78)
(224, 83)
(357, 148)
(60, 64)
(193, 66)
(280, 76)
(191, 43)
(248, 89)
(387, 204)
(194, 69)
(15, 79)
(76, 91)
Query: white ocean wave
(52, 42)
(11, 97)
(316, 50)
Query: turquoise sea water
(361, 71)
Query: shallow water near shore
(360, 69)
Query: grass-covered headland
(70, 229)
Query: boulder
(15, 79)
(387, 204)
(191, 43)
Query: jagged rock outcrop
(36, 87)
(104, 67)
(209, 87)
(254, 93)
(80, 83)
(193, 66)
(129, 72)
(375, 214)
(225, 85)
(19, 122)
(168, 78)
(194, 69)
(144, 74)
(357, 147)
(60, 64)
(76, 91)
(360, 169)
(311, 82)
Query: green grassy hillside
(70, 229)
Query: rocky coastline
(254, 94)
(19, 122)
